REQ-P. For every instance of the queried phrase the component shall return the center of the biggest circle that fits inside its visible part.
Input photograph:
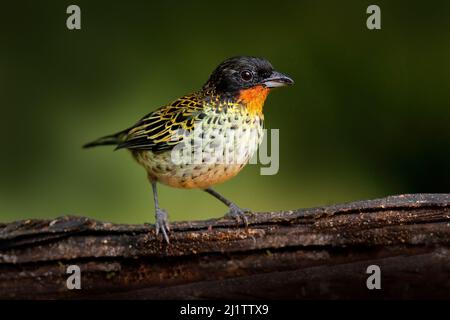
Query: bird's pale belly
(207, 157)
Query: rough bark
(307, 253)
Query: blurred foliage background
(369, 115)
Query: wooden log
(300, 254)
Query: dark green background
(369, 115)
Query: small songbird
(206, 137)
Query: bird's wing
(163, 128)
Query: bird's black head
(238, 73)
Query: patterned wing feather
(163, 128)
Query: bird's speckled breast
(220, 145)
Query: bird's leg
(235, 212)
(161, 220)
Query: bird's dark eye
(246, 75)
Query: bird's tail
(110, 140)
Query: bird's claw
(238, 214)
(162, 223)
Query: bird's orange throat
(254, 98)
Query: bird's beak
(277, 79)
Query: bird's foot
(162, 223)
(238, 214)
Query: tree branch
(308, 253)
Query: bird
(204, 138)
